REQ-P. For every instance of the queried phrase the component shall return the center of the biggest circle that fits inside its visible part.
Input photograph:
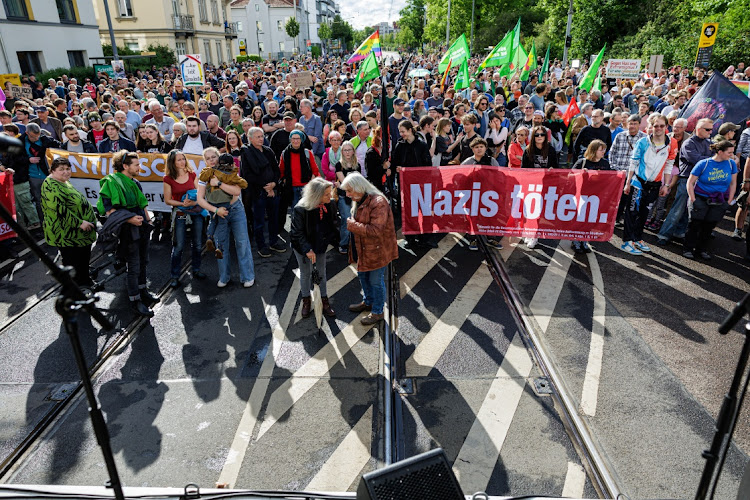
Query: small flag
(445, 75)
(367, 71)
(371, 44)
(462, 80)
(571, 112)
(499, 55)
(545, 66)
(590, 76)
(458, 53)
(531, 64)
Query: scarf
(322, 210)
(122, 191)
(304, 163)
(333, 157)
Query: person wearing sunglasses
(651, 163)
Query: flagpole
(471, 42)
(448, 26)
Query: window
(207, 50)
(229, 51)
(16, 9)
(181, 48)
(280, 25)
(202, 12)
(218, 52)
(76, 58)
(239, 26)
(281, 46)
(257, 7)
(260, 48)
(67, 11)
(30, 62)
(259, 26)
(176, 7)
(132, 44)
(215, 11)
(125, 7)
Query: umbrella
(317, 301)
(419, 72)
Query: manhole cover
(542, 386)
(405, 386)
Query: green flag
(545, 66)
(590, 76)
(519, 59)
(462, 79)
(367, 71)
(598, 83)
(500, 54)
(530, 64)
(517, 35)
(457, 53)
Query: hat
(40, 109)
(398, 101)
(289, 115)
(728, 127)
(539, 112)
(226, 159)
(407, 108)
(300, 133)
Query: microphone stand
(730, 408)
(68, 304)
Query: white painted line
(418, 271)
(346, 463)
(342, 278)
(575, 480)
(590, 392)
(509, 246)
(242, 437)
(542, 305)
(301, 381)
(481, 449)
(434, 344)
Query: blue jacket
(106, 145)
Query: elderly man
(126, 129)
(133, 118)
(313, 128)
(361, 142)
(163, 122)
(48, 123)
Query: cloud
(361, 13)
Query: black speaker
(426, 477)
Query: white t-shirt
(193, 146)
(360, 152)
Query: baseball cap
(226, 159)
(40, 109)
(728, 127)
(289, 115)
(398, 101)
(538, 112)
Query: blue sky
(361, 13)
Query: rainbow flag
(744, 86)
(372, 44)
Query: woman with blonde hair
(369, 102)
(313, 229)
(347, 165)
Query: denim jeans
(196, 242)
(373, 286)
(296, 195)
(234, 224)
(345, 210)
(676, 222)
(305, 273)
(262, 205)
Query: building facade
(39, 35)
(262, 26)
(187, 26)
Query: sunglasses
(708, 129)
(540, 135)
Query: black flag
(718, 99)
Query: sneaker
(662, 242)
(688, 254)
(248, 284)
(221, 284)
(628, 247)
(473, 245)
(586, 247)
(343, 250)
(641, 245)
(737, 235)
(264, 252)
(705, 255)
(577, 247)
(278, 247)
(199, 275)
(495, 244)
(531, 242)
(174, 283)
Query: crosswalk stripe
(590, 392)
(434, 344)
(543, 303)
(481, 449)
(418, 271)
(333, 285)
(346, 463)
(575, 480)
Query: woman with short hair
(375, 246)
(313, 229)
(346, 165)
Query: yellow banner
(708, 34)
(89, 168)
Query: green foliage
(292, 27)
(80, 73)
(630, 28)
(241, 59)
(342, 30)
(316, 51)
(165, 56)
(325, 31)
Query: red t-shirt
(98, 136)
(179, 190)
(296, 174)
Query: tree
(342, 30)
(406, 38)
(325, 32)
(292, 27)
(412, 22)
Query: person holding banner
(711, 185)
(122, 200)
(180, 191)
(69, 221)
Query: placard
(191, 69)
(300, 80)
(105, 68)
(624, 68)
(17, 92)
(655, 64)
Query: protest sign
(718, 99)
(8, 199)
(623, 68)
(300, 79)
(89, 168)
(552, 204)
(191, 69)
(17, 92)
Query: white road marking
(333, 285)
(434, 344)
(509, 246)
(481, 449)
(242, 437)
(542, 305)
(575, 480)
(346, 463)
(418, 271)
(590, 392)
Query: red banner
(533, 203)
(8, 199)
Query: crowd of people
(318, 158)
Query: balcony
(183, 24)
(230, 30)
